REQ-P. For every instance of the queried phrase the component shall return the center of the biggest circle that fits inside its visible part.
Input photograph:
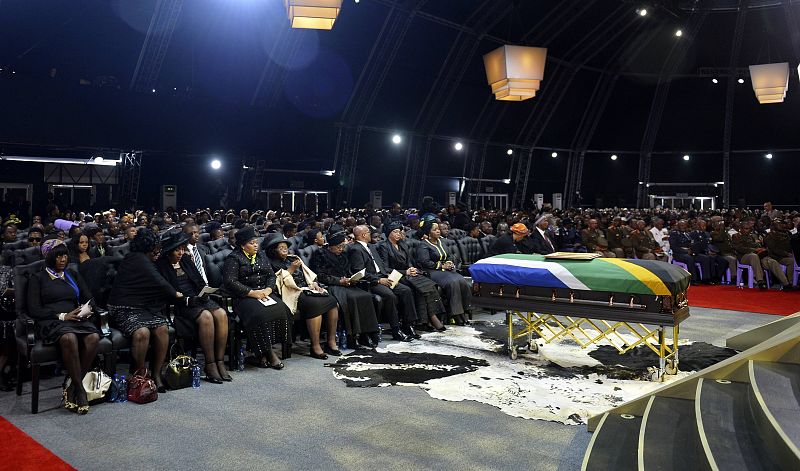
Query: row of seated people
(270, 289)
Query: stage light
(686, 157)
(216, 164)
(614, 157)
(554, 155)
(740, 80)
(154, 90)
(98, 160)
(679, 33)
(458, 146)
(769, 156)
(312, 14)
(642, 11)
(510, 151)
(770, 82)
(357, 1)
(329, 173)
(396, 139)
(715, 185)
(515, 73)
(714, 80)
(506, 181)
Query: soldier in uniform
(701, 244)
(594, 240)
(569, 237)
(643, 244)
(721, 243)
(779, 247)
(750, 252)
(617, 237)
(682, 251)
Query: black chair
(32, 352)
(452, 250)
(470, 249)
(120, 250)
(18, 245)
(205, 237)
(214, 264)
(27, 256)
(456, 234)
(116, 242)
(306, 252)
(215, 246)
(486, 242)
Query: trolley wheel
(672, 369)
(512, 352)
(652, 374)
(533, 347)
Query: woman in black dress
(54, 298)
(433, 258)
(397, 256)
(198, 316)
(78, 247)
(249, 278)
(137, 302)
(308, 305)
(358, 310)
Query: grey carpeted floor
(303, 418)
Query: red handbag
(142, 389)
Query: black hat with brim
(172, 240)
(245, 234)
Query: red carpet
(20, 452)
(747, 300)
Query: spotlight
(98, 160)
(642, 11)
(740, 80)
(357, 1)
(769, 156)
(216, 164)
(614, 157)
(714, 80)
(554, 155)
(510, 151)
(686, 157)
(506, 181)
(458, 146)
(154, 90)
(715, 185)
(397, 139)
(679, 33)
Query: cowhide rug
(562, 383)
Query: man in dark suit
(397, 302)
(196, 250)
(96, 236)
(540, 237)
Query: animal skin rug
(562, 382)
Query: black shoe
(226, 376)
(331, 351)
(397, 334)
(318, 356)
(365, 340)
(426, 328)
(279, 366)
(762, 285)
(441, 329)
(376, 338)
(789, 288)
(410, 332)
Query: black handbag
(178, 371)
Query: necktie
(548, 241)
(198, 262)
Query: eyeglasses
(34, 239)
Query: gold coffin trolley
(589, 317)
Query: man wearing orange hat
(514, 241)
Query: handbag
(178, 371)
(142, 389)
(96, 384)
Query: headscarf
(388, 228)
(49, 245)
(335, 238)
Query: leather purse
(178, 371)
(142, 389)
(96, 383)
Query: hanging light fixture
(515, 72)
(770, 82)
(312, 14)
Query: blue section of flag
(511, 275)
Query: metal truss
(736, 47)
(673, 61)
(129, 174)
(156, 42)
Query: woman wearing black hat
(433, 257)
(310, 305)
(250, 279)
(398, 256)
(197, 317)
(332, 267)
(137, 301)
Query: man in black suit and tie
(397, 302)
(540, 238)
(196, 250)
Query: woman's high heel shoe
(70, 406)
(226, 376)
(213, 379)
